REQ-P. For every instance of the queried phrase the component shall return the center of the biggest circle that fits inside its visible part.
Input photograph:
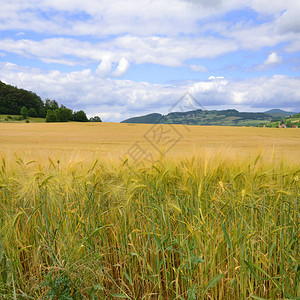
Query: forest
(15, 101)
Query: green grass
(198, 228)
(15, 119)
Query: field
(110, 211)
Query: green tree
(13, 99)
(32, 112)
(80, 116)
(51, 104)
(288, 124)
(63, 114)
(95, 119)
(24, 112)
(51, 116)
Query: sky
(119, 59)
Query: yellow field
(119, 211)
(87, 141)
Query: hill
(291, 121)
(230, 117)
(279, 113)
(147, 119)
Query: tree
(13, 99)
(32, 112)
(24, 112)
(80, 116)
(288, 124)
(51, 104)
(51, 116)
(63, 114)
(95, 119)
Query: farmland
(214, 214)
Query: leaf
(213, 282)
(226, 236)
(119, 296)
(256, 297)
(192, 293)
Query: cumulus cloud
(121, 68)
(106, 37)
(273, 59)
(119, 99)
(142, 18)
(158, 50)
(104, 67)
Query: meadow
(112, 211)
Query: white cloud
(143, 18)
(104, 67)
(121, 68)
(157, 50)
(119, 99)
(114, 35)
(273, 59)
(99, 18)
(146, 31)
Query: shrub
(51, 116)
(24, 112)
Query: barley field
(112, 211)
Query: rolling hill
(229, 117)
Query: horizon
(276, 109)
(125, 59)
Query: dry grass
(217, 218)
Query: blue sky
(119, 59)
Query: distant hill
(147, 119)
(291, 121)
(279, 113)
(230, 117)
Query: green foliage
(32, 112)
(289, 124)
(63, 114)
(80, 116)
(51, 104)
(13, 99)
(230, 117)
(147, 119)
(296, 116)
(95, 119)
(60, 286)
(24, 112)
(51, 116)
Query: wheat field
(112, 211)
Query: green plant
(24, 112)
(60, 286)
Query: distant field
(128, 211)
(92, 140)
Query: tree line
(15, 101)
